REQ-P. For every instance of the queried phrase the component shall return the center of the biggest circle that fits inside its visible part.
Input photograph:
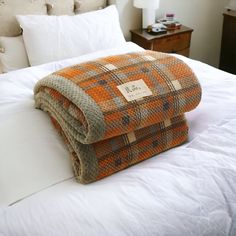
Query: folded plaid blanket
(106, 101)
(92, 162)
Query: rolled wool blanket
(111, 98)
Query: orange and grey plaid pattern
(100, 108)
(98, 160)
(94, 117)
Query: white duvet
(189, 190)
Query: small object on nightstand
(172, 26)
(159, 25)
(170, 22)
(174, 41)
(156, 29)
(170, 16)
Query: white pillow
(12, 54)
(52, 38)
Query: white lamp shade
(147, 4)
(231, 5)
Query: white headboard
(10, 8)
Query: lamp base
(149, 17)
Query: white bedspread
(189, 190)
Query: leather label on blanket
(134, 90)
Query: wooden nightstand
(175, 41)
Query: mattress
(189, 190)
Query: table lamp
(149, 10)
(231, 5)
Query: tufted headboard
(10, 8)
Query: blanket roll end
(71, 106)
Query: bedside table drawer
(173, 44)
(175, 41)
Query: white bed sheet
(189, 190)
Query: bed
(188, 190)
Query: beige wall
(204, 16)
(130, 17)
